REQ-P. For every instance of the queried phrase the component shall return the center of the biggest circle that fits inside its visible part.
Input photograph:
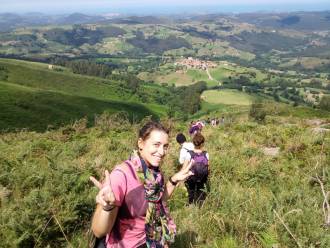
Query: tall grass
(46, 197)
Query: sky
(159, 6)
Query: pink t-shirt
(129, 228)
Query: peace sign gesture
(105, 197)
(184, 173)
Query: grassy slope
(25, 107)
(38, 76)
(246, 185)
(34, 96)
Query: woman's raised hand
(184, 173)
(105, 197)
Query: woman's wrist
(173, 181)
(108, 208)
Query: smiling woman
(131, 204)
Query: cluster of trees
(84, 67)
(75, 37)
(325, 103)
(258, 111)
(136, 65)
(89, 68)
(279, 87)
(187, 99)
(128, 81)
(243, 82)
(202, 34)
(158, 46)
(261, 42)
(317, 83)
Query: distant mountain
(79, 18)
(10, 21)
(140, 20)
(308, 21)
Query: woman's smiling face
(154, 147)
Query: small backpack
(194, 129)
(199, 167)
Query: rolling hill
(33, 96)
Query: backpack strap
(192, 153)
(204, 153)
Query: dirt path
(208, 73)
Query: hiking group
(131, 209)
(197, 126)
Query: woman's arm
(182, 175)
(186, 163)
(103, 221)
(106, 212)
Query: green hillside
(25, 107)
(266, 74)
(37, 75)
(255, 196)
(34, 97)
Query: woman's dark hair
(180, 138)
(150, 126)
(198, 140)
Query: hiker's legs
(190, 185)
(200, 191)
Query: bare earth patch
(320, 130)
(271, 151)
(314, 122)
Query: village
(191, 63)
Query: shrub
(258, 112)
(325, 103)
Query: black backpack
(199, 167)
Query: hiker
(199, 158)
(131, 206)
(222, 120)
(201, 124)
(213, 122)
(193, 129)
(196, 128)
(185, 147)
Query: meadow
(227, 97)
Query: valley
(76, 88)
